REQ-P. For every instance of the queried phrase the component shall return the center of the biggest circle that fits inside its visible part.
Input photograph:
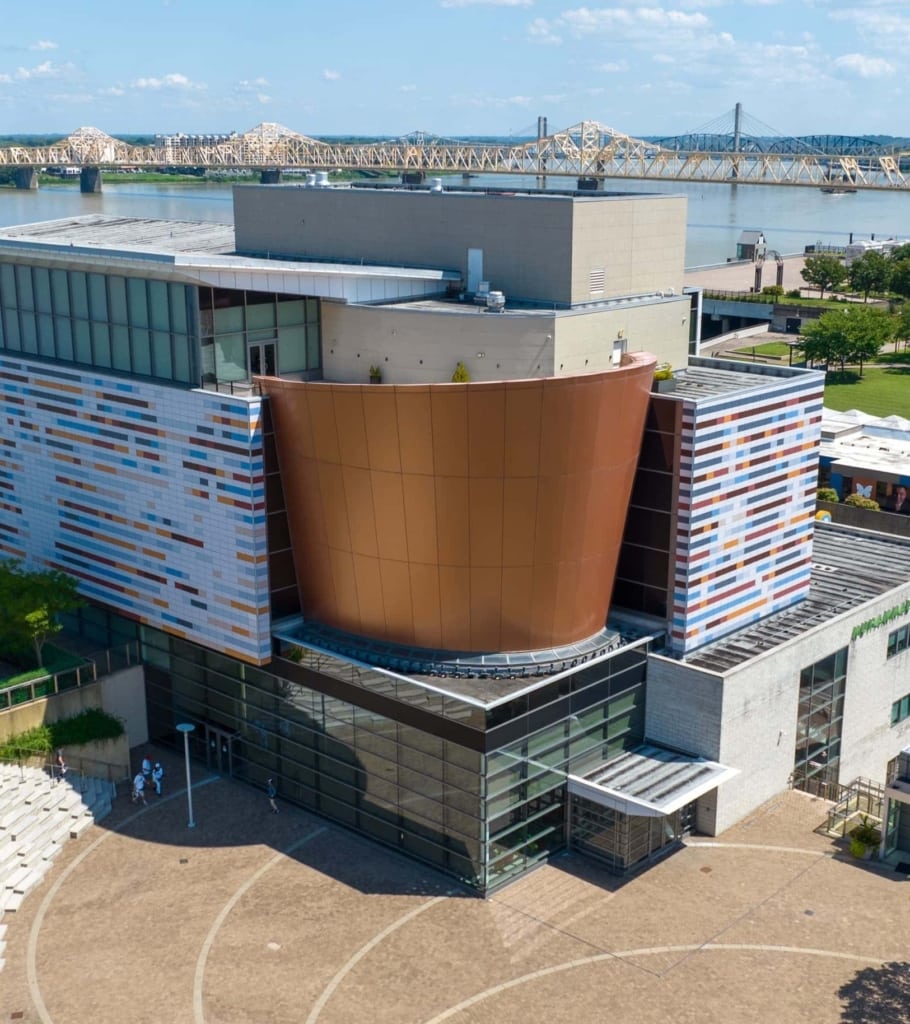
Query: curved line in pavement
(698, 844)
(626, 954)
(362, 952)
(202, 959)
(32, 953)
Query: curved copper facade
(466, 517)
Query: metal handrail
(25, 758)
(95, 666)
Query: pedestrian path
(38, 814)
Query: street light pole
(186, 728)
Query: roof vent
(436, 184)
(496, 302)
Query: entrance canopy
(650, 781)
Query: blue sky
(453, 67)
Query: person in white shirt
(139, 789)
(157, 776)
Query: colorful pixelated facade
(152, 497)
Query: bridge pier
(413, 177)
(26, 177)
(270, 176)
(590, 184)
(90, 179)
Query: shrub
(858, 501)
(663, 371)
(376, 371)
(794, 293)
(91, 724)
(460, 375)
(772, 289)
(827, 494)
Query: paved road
(255, 917)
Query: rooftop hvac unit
(496, 302)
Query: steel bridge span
(589, 152)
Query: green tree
(823, 271)
(32, 602)
(849, 335)
(870, 273)
(900, 252)
(900, 277)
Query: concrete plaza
(255, 917)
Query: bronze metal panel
(381, 418)
(361, 516)
(388, 506)
(415, 429)
(487, 517)
(485, 521)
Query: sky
(454, 68)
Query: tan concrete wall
(49, 709)
(417, 346)
(123, 696)
(639, 242)
(538, 247)
(584, 340)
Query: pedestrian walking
(157, 776)
(272, 794)
(60, 764)
(139, 789)
(146, 767)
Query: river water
(790, 217)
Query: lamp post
(186, 728)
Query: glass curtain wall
(526, 780)
(819, 724)
(248, 333)
(129, 325)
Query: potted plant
(864, 839)
(663, 378)
(460, 375)
(375, 375)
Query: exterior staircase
(38, 814)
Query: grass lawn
(780, 349)
(880, 391)
(55, 660)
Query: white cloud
(486, 3)
(248, 85)
(175, 80)
(112, 90)
(331, 76)
(542, 31)
(613, 66)
(43, 70)
(43, 44)
(492, 101)
(6, 78)
(71, 97)
(407, 88)
(865, 67)
(585, 21)
(262, 98)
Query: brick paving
(143, 920)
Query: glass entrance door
(263, 359)
(219, 750)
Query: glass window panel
(260, 316)
(24, 282)
(142, 352)
(162, 364)
(228, 320)
(46, 335)
(292, 345)
(41, 280)
(79, 294)
(178, 294)
(158, 305)
(60, 291)
(139, 310)
(64, 333)
(182, 363)
(2, 342)
(98, 300)
(83, 340)
(8, 285)
(116, 287)
(230, 357)
(120, 341)
(291, 312)
(101, 343)
(11, 338)
(313, 350)
(312, 311)
(29, 331)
